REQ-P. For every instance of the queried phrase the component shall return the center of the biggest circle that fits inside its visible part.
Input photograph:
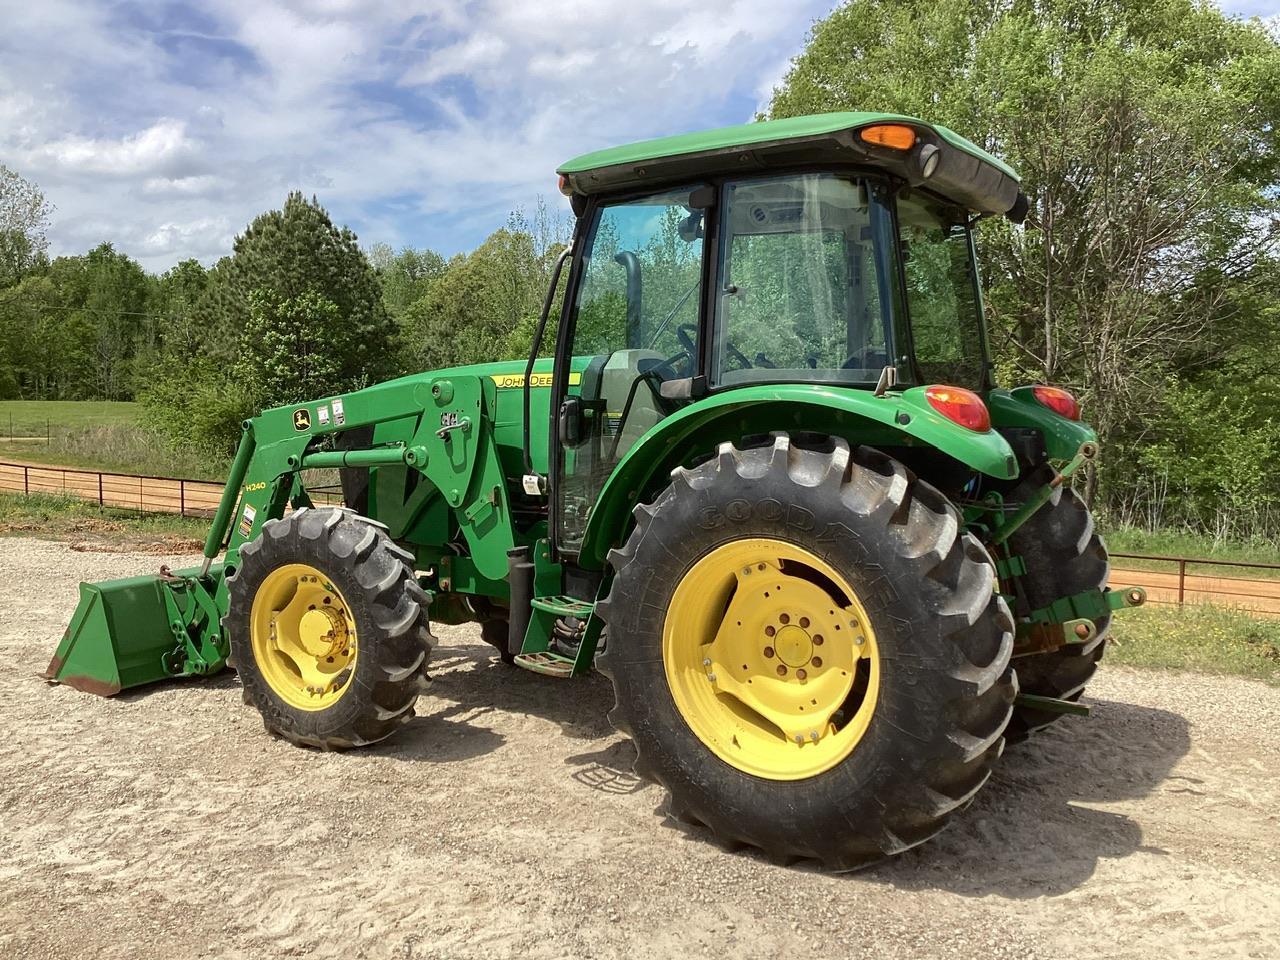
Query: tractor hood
(962, 172)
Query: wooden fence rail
(188, 498)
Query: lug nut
(769, 631)
(813, 735)
(804, 622)
(782, 670)
(784, 618)
(817, 639)
(706, 661)
(817, 662)
(768, 652)
(802, 674)
(799, 739)
(859, 640)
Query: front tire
(711, 690)
(328, 629)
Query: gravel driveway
(502, 822)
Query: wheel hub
(303, 637)
(794, 646)
(777, 656)
(322, 632)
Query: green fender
(1019, 408)
(897, 419)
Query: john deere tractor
(766, 484)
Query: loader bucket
(120, 637)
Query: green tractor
(766, 485)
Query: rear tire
(941, 636)
(366, 587)
(1064, 556)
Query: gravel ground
(502, 822)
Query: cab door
(632, 326)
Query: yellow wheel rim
(303, 637)
(771, 659)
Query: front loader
(765, 483)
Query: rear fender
(896, 419)
(1019, 408)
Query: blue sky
(166, 127)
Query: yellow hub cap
(303, 637)
(771, 659)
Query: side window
(946, 329)
(800, 297)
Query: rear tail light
(959, 406)
(565, 186)
(1058, 400)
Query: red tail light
(959, 406)
(1059, 401)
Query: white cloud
(167, 129)
(161, 146)
(477, 54)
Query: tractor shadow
(1033, 830)
(469, 683)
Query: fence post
(182, 498)
(139, 496)
(101, 502)
(1182, 579)
(26, 480)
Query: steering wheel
(736, 354)
(686, 340)
(683, 333)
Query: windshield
(803, 268)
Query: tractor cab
(834, 251)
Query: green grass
(1181, 543)
(70, 518)
(96, 435)
(1197, 637)
(33, 417)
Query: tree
(292, 348)
(296, 311)
(404, 276)
(24, 218)
(294, 251)
(1145, 133)
(485, 304)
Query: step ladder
(537, 655)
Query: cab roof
(965, 173)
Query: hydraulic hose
(537, 343)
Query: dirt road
(166, 824)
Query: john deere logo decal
(301, 420)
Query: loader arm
(144, 629)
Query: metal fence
(1168, 580)
(1182, 580)
(144, 494)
